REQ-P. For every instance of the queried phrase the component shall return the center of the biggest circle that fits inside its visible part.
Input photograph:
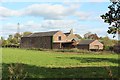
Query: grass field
(51, 64)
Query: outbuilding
(90, 45)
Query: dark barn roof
(85, 42)
(50, 33)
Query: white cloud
(5, 12)
(47, 11)
(46, 25)
(31, 24)
(58, 23)
(3, 18)
(82, 15)
(10, 26)
(55, 16)
(51, 25)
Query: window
(59, 38)
(96, 46)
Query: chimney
(71, 31)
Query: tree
(17, 35)
(5, 42)
(93, 36)
(26, 33)
(112, 17)
(1, 38)
(107, 41)
(90, 35)
(14, 41)
(87, 35)
(17, 38)
(78, 36)
(10, 39)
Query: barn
(37, 40)
(48, 40)
(90, 45)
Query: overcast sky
(81, 16)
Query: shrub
(39, 49)
(11, 46)
(110, 74)
(108, 48)
(116, 48)
(72, 50)
(16, 72)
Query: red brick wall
(96, 43)
(56, 45)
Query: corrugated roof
(85, 42)
(50, 33)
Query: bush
(11, 46)
(72, 50)
(16, 72)
(117, 48)
(39, 49)
(108, 48)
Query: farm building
(49, 40)
(71, 37)
(90, 45)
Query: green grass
(51, 64)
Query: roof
(67, 34)
(50, 33)
(63, 42)
(86, 42)
(76, 39)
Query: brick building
(90, 45)
(49, 40)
